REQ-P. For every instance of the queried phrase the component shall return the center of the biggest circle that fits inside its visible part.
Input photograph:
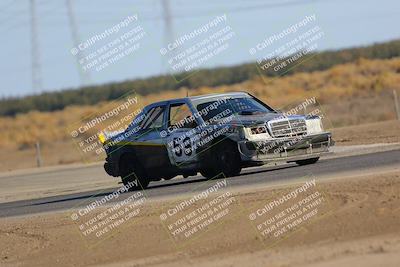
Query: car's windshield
(230, 106)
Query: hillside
(348, 94)
(91, 95)
(352, 93)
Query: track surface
(250, 177)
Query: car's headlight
(258, 130)
(314, 125)
(256, 133)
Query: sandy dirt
(357, 224)
(370, 133)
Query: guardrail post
(396, 104)
(38, 155)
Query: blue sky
(346, 23)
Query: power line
(209, 12)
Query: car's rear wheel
(222, 160)
(132, 173)
(307, 161)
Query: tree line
(52, 101)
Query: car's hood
(257, 119)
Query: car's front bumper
(285, 149)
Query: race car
(216, 135)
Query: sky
(345, 23)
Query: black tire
(223, 159)
(307, 161)
(131, 171)
(208, 173)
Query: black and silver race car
(216, 135)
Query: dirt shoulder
(370, 133)
(358, 225)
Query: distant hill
(53, 101)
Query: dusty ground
(371, 133)
(359, 226)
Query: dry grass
(350, 94)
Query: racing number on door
(177, 148)
(184, 145)
(182, 123)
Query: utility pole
(84, 76)
(35, 55)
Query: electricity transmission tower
(169, 31)
(35, 52)
(84, 76)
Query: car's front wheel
(222, 160)
(132, 174)
(307, 161)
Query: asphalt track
(250, 177)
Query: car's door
(181, 133)
(149, 145)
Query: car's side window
(153, 119)
(180, 116)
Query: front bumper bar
(285, 149)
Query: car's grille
(288, 127)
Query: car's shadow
(151, 188)
(108, 191)
(270, 169)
